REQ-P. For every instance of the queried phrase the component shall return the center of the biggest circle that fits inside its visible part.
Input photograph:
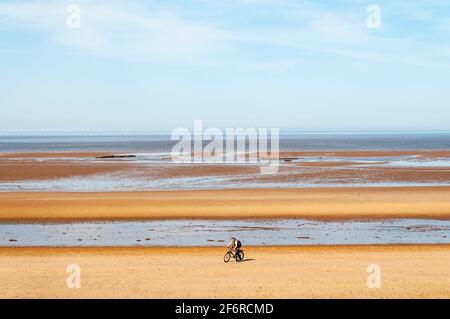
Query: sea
(161, 142)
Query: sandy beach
(408, 271)
(327, 203)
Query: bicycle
(239, 255)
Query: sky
(287, 64)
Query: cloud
(110, 29)
(164, 31)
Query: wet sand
(305, 272)
(442, 153)
(53, 170)
(22, 167)
(325, 203)
(283, 154)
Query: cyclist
(234, 246)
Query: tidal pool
(218, 232)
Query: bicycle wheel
(240, 256)
(227, 257)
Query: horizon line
(166, 132)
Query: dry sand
(326, 203)
(268, 272)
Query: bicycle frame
(233, 252)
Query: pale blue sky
(157, 65)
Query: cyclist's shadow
(247, 259)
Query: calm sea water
(288, 142)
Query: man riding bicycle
(234, 246)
